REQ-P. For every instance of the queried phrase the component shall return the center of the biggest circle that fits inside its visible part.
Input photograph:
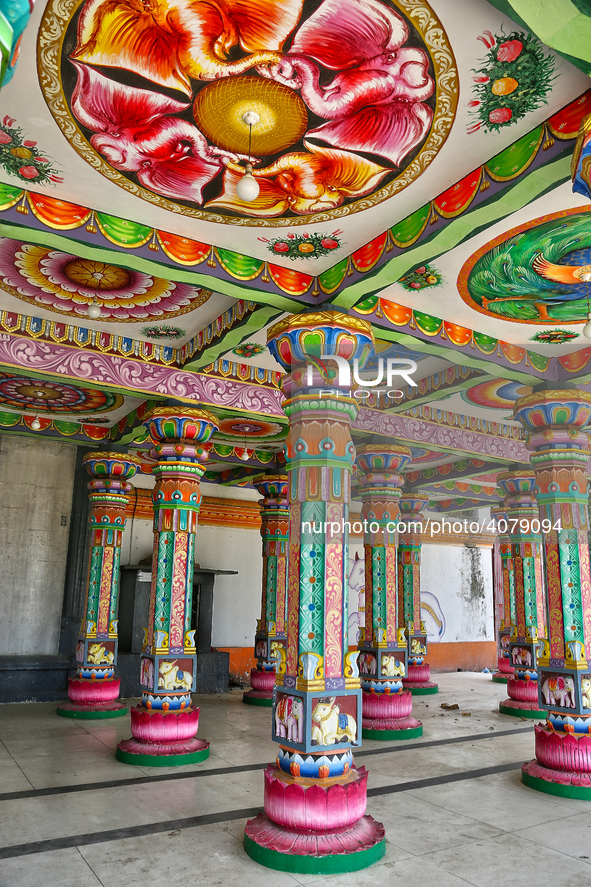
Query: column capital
(411, 504)
(518, 489)
(302, 338)
(273, 489)
(554, 420)
(380, 466)
(110, 472)
(181, 438)
(185, 424)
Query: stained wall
(36, 482)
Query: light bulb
(36, 424)
(245, 456)
(251, 118)
(587, 327)
(247, 188)
(94, 310)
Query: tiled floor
(452, 825)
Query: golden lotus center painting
(355, 99)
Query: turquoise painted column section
(271, 627)
(163, 727)
(555, 420)
(418, 672)
(94, 692)
(314, 795)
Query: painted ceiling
(413, 161)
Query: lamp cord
(249, 140)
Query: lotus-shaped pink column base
(522, 691)
(261, 683)
(364, 835)
(315, 808)
(156, 732)
(87, 695)
(504, 666)
(523, 696)
(418, 673)
(418, 677)
(393, 711)
(547, 774)
(164, 726)
(567, 753)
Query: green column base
(522, 712)
(581, 792)
(499, 680)
(314, 865)
(256, 700)
(424, 691)
(162, 760)
(92, 715)
(411, 733)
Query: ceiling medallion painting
(535, 273)
(496, 394)
(38, 396)
(356, 97)
(68, 284)
(421, 455)
(243, 428)
(303, 246)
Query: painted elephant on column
(559, 690)
(289, 721)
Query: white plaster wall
(36, 482)
(237, 599)
(456, 582)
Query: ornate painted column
(315, 797)
(270, 633)
(387, 706)
(529, 620)
(94, 692)
(507, 580)
(163, 727)
(409, 594)
(555, 421)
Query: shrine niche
(365, 93)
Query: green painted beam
(449, 353)
(251, 324)
(148, 266)
(536, 184)
(563, 25)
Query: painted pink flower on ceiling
(347, 61)
(66, 284)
